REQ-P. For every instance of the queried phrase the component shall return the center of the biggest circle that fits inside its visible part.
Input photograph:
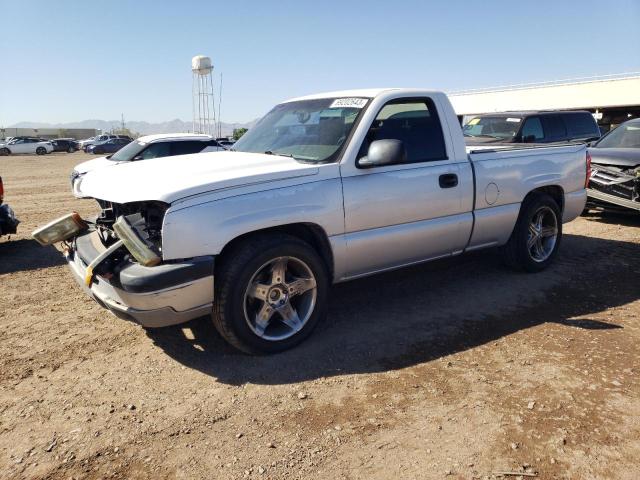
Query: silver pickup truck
(324, 189)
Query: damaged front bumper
(616, 186)
(8, 221)
(158, 296)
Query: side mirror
(137, 157)
(529, 139)
(384, 152)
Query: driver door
(406, 213)
(22, 146)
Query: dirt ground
(454, 369)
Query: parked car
(108, 146)
(149, 147)
(615, 159)
(85, 141)
(101, 138)
(65, 145)
(531, 127)
(8, 221)
(324, 189)
(26, 145)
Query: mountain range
(143, 128)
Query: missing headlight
(148, 222)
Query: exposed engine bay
(145, 217)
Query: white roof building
(616, 95)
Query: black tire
(4, 152)
(516, 252)
(41, 150)
(71, 150)
(236, 270)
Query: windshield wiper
(269, 152)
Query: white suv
(149, 147)
(26, 145)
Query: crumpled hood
(94, 163)
(620, 157)
(166, 180)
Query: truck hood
(166, 180)
(620, 157)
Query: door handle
(448, 180)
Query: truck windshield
(625, 136)
(502, 127)
(307, 130)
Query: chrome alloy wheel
(543, 234)
(280, 298)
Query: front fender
(205, 229)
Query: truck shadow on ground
(627, 218)
(26, 254)
(416, 315)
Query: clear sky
(73, 60)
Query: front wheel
(41, 150)
(4, 152)
(272, 291)
(536, 237)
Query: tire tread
(513, 253)
(231, 267)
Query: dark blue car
(108, 146)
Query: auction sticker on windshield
(348, 103)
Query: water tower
(204, 113)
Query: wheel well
(554, 191)
(310, 233)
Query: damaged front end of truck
(116, 258)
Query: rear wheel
(4, 151)
(536, 237)
(272, 291)
(41, 150)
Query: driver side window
(415, 122)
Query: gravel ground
(454, 369)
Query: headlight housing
(136, 245)
(60, 229)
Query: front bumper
(154, 297)
(612, 185)
(8, 221)
(597, 196)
